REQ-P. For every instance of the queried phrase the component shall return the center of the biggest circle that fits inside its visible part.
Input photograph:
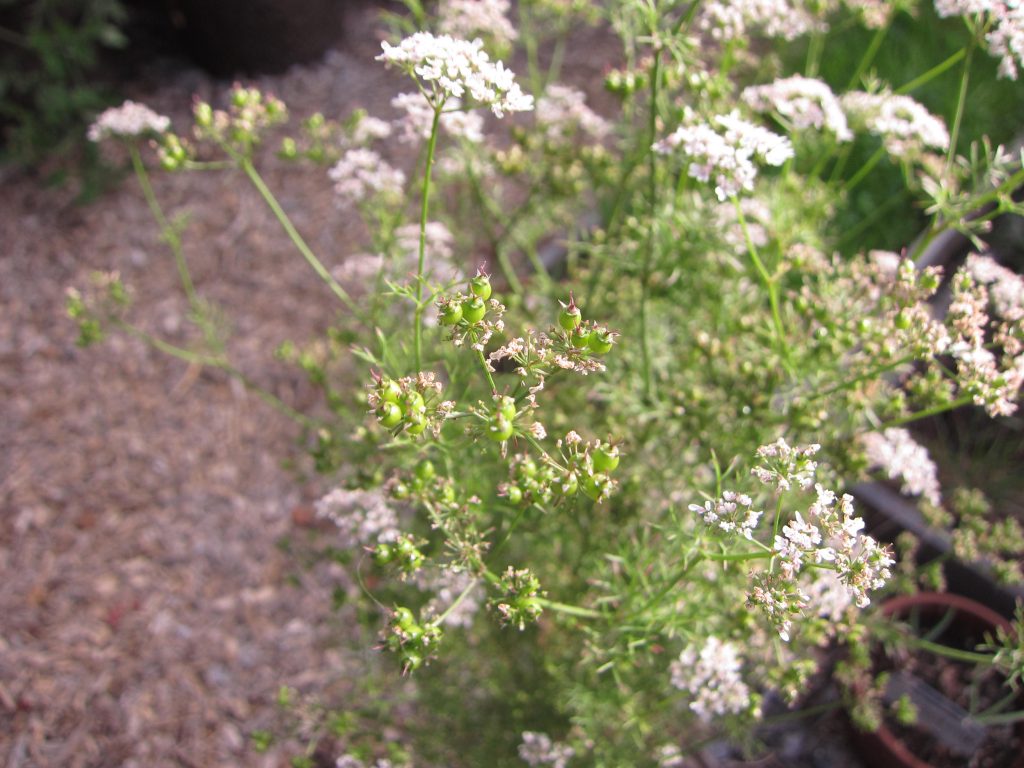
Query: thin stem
(963, 400)
(862, 377)
(957, 654)
(771, 284)
(814, 50)
(865, 169)
(669, 585)
(462, 596)
(931, 74)
(645, 275)
(776, 524)
(487, 371)
(739, 557)
(168, 231)
(431, 146)
(213, 362)
(869, 56)
(961, 103)
(250, 170)
(870, 220)
(1005, 718)
(570, 610)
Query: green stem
(212, 362)
(645, 275)
(678, 576)
(961, 104)
(771, 284)
(776, 525)
(168, 231)
(462, 596)
(865, 169)
(869, 56)
(931, 74)
(740, 557)
(431, 146)
(971, 657)
(257, 181)
(569, 610)
(814, 50)
(870, 220)
(952, 404)
(873, 373)
(487, 371)
(840, 166)
(1005, 718)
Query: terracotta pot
(883, 749)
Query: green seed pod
(414, 403)
(595, 486)
(389, 415)
(570, 316)
(605, 457)
(473, 310)
(507, 407)
(383, 554)
(449, 313)
(425, 471)
(415, 423)
(600, 341)
(580, 336)
(388, 389)
(499, 429)
(481, 285)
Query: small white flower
(804, 102)
(906, 127)
(130, 119)
(896, 453)
(457, 68)
(361, 173)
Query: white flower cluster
(993, 382)
(538, 749)
(896, 453)
(419, 115)
(803, 102)
(711, 674)
(728, 156)
(831, 533)
(457, 68)
(563, 113)
(786, 466)
(471, 18)
(130, 119)
(874, 13)
(669, 756)
(1005, 37)
(727, 20)
(827, 596)
(362, 517)
(368, 129)
(905, 126)
(1005, 287)
(733, 513)
(362, 173)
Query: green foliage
(48, 89)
